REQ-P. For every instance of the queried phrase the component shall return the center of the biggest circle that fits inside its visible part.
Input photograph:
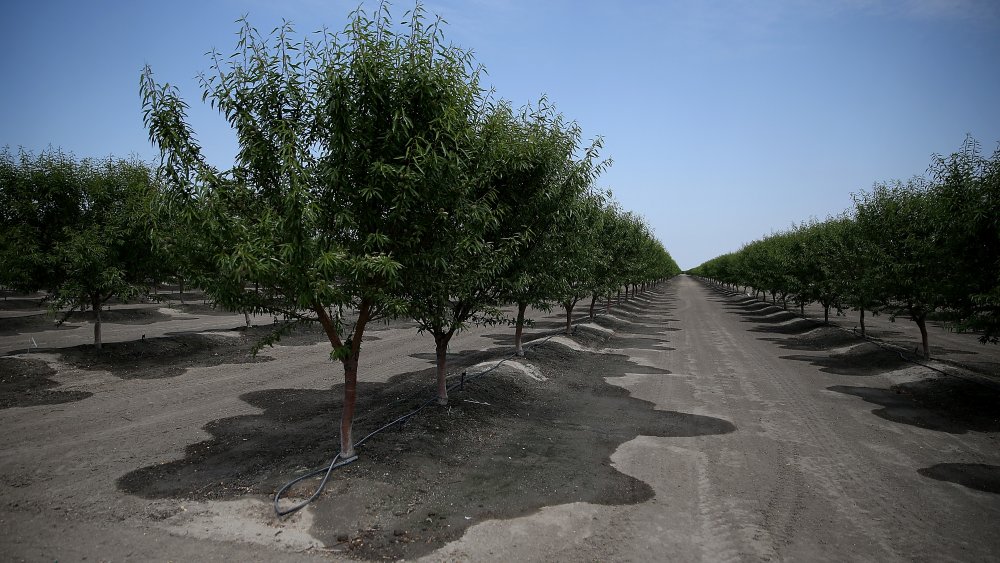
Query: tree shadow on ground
(21, 303)
(794, 326)
(505, 446)
(29, 324)
(865, 359)
(638, 343)
(26, 383)
(776, 317)
(976, 476)
(817, 339)
(162, 357)
(945, 404)
(47, 321)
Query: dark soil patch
(123, 316)
(301, 335)
(645, 329)
(946, 404)
(22, 304)
(819, 338)
(637, 342)
(794, 326)
(168, 356)
(978, 476)
(769, 317)
(866, 359)
(506, 446)
(30, 324)
(26, 383)
(974, 404)
(200, 309)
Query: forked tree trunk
(350, 363)
(519, 329)
(569, 316)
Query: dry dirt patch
(507, 445)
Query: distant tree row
(78, 229)
(927, 246)
(375, 179)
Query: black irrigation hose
(338, 462)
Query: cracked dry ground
(689, 424)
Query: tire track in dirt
(825, 453)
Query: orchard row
(925, 248)
(375, 178)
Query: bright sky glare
(725, 120)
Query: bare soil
(689, 424)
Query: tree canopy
(924, 246)
(77, 229)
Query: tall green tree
(541, 194)
(349, 144)
(897, 222)
(966, 190)
(77, 229)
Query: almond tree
(349, 144)
(967, 215)
(541, 195)
(896, 221)
(77, 229)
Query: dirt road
(690, 425)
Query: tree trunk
(826, 314)
(441, 354)
(347, 415)
(247, 317)
(619, 296)
(569, 316)
(96, 304)
(607, 305)
(921, 321)
(350, 363)
(593, 301)
(802, 309)
(180, 284)
(519, 329)
(862, 321)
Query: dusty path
(825, 464)
(808, 452)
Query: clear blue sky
(726, 120)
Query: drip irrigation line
(338, 461)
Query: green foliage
(911, 248)
(374, 179)
(76, 228)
